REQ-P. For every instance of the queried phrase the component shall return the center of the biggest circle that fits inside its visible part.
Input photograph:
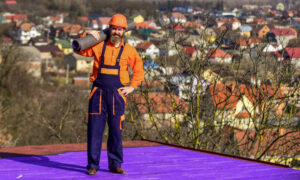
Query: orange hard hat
(118, 20)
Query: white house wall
(296, 62)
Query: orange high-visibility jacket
(129, 57)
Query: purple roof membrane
(156, 162)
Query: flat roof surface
(146, 162)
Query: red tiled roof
(192, 25)
(53, 18)
(242, 115)
(160, 103)
(177, 27)
(144, 45)
(297, 20)
(260, 21)
(261, 94)
(284, 32)
(11, 2)
(228, 21)
(73, 29)
(94, 21)
(178, 15)
(274, 12)
(17, 17)
(218, 53)
(247, 42)
(289, 143)
(26, 26)
(104, 20)
(142, 25)
(145, 25)
(294, 52)
(189, 49)
(83, 18)
(223, 97)
(227, 96)
(6, 40)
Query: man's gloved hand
(125, 90)
(94, 33)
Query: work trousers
(105, 104)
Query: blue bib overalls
(105, 100)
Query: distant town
(224, 44)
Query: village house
(56, 30)
(164, 20)
(177, 17)
(207, 34)
(78, 63)
(83, 20)
(232, 108)
(99, 23)
(165, 109)
(291, 54)
(283, 150)
(103, 22)
(57, 19)
(133, 40)
(271, 48)
(284, 35)
(137, 18)
(192, 25)
(233, 23)
(31, 60)
(94, 24)
(71, 31)
(249, 7)
(38, 41)
(249, 43)
(147, 48)
(147, 25)
(241, 106)
(10, 2)
(48, 52)
(10, 18)
(2, 20)
(245, 30)
(259, 22)
(247, 19)
(64, 46)
(170, 48)
(260, 31)
(81, 81)
(50, 20)
(24, 31)
(219, 56)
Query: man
(110, 86)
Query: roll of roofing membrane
(89, 40)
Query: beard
(115, 38)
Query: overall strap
(119, 56)
(103, 52)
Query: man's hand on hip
(126, 90)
